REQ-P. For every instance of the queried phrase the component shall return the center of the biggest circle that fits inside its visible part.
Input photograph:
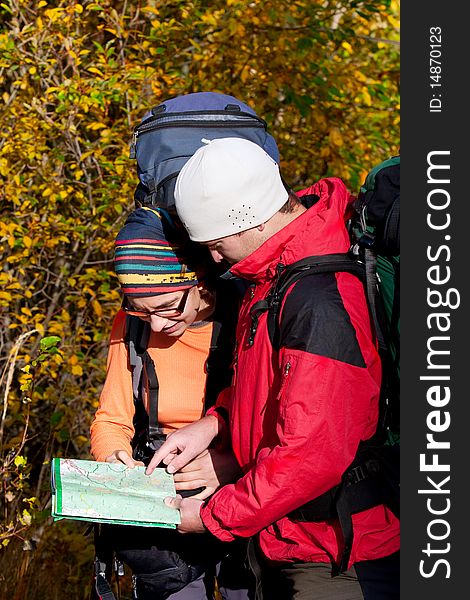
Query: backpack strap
(219, 362)
(155, 432)
(102, 566)
(101, 590)
(287, 276)
(392, 227)
(374, 300)
(148, 433)
(136, 340)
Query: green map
(86, 490)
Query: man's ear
(261, 226)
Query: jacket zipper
(284, 379)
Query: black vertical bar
(434, 308)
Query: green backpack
(375, 232)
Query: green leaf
(49, 342)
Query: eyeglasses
(166, 313)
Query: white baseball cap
(228, 186)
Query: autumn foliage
(75, 79)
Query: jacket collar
(319, 230)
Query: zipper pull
(253, 328)
(279, 269)
(287, 369)
(133, 144)
(273, 294)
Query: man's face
(234, 248)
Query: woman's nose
(157, 323)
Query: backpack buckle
(357, 474)
(367, 240)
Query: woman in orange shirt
(160, 288)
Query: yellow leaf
(78, 8)
(25, 518)
(150, 9)
(42, 3)
(93, 126)
(20, 461)
(73, 360)
(335, 137)
(28, 242)
(360, 76)
(95, 70)
(97, 308)
(367, 97)
(347, 46)
(394, 22)
(77, 370)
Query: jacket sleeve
(112, 427)
(327, 402)
(221, 411)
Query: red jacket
(297, 416)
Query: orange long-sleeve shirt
(180, 366)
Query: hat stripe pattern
(146, 263)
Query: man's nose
(157, 323)
(216, 256)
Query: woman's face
(170, 313)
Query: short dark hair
(291, 203)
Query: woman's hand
(211, 469)
(121, 456)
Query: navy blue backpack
(170, 133)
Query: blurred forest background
(75, 79)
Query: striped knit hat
(148, 260)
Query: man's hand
(121, 456)
(185, 444)
(189, 508)
(211, 469)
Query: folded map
(86, 490)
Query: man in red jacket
(295, 413)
